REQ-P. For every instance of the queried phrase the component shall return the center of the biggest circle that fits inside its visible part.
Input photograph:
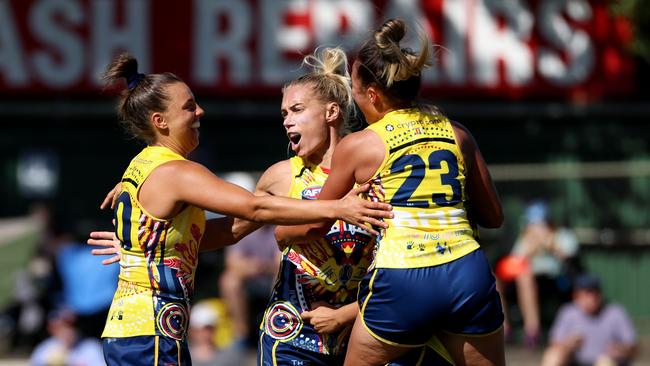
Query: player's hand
(111, 197)
(323, 318)
(360, 212)
(110, 243)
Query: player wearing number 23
(423, 169)
(431, 244)
(430, 276)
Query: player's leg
(394, 318)
(364, 349)
(472, 331)
(475, 350)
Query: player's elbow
(258, 210)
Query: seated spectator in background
(204, 320)
(251, 266)
(543, 261)
(66, 346)
(589, 331)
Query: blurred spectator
(66, 346)
(250, 269)
(251, 266)
(589, 331)
(32, 269)
(542, 264)
(87, 286)
(204, 320)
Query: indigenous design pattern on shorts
(145, 350)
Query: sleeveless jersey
(159, 259)
(327, 270)
(423, 178)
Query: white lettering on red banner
(483, 48)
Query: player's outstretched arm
(221, 232)
(194, 184)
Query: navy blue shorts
(146, 350)
(406, 307)
(272, 352)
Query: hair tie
(133, 80)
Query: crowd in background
(61, 298)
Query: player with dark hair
(160, 218)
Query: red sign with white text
(224, 48)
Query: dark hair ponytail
(143, 95)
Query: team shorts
(272, 352)
(406, 307)
(146, 350)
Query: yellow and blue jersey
(327, 270)
(423, 177)
(159, 259)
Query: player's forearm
(349, 313)
(286, 235)
(224, 231)
(287, 211)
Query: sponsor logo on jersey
(310, 193)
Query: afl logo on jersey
(310, 193)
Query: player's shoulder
(465, 140)
(276, 179)
(178, 168)
(360, 142)
(462, 133)
(282, 167)
(361, 136)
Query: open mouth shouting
(294, 138)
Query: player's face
(304, 121)
(360, 95)
(183, 116)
